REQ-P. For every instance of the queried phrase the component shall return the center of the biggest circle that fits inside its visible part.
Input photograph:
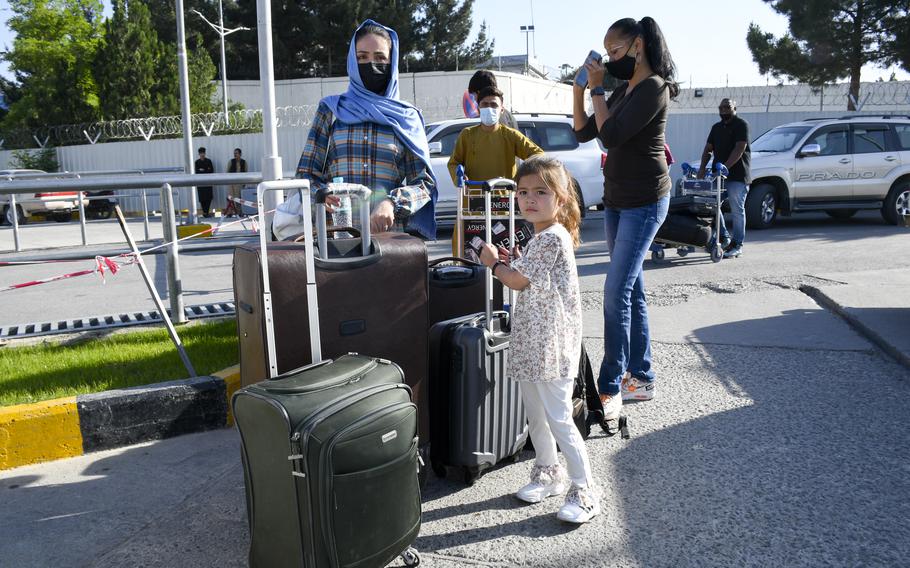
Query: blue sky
(707, 38)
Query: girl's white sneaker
(545, 482)
(612, 405)
(582, 504)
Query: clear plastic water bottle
(342, 216)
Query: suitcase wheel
(470, 475)
(411, 557)
(657, 254)
(611, 427)
(717, 253)
(438, 468)
(682, 251)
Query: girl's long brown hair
(556, 177)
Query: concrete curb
(67, 427)
(857, 324)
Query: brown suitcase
(374, 305)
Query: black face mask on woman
(623, 68)
(375, 76)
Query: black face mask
(375, 76)
(726, 116)
(623, 68)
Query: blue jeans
(627, 339)
(736, 198)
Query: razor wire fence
(890, 96)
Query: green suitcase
(329, 456)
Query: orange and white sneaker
(636, 389)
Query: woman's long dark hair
(655, 48)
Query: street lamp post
(222, 32)
(527, 30)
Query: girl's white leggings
(549, 408)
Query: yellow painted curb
(231, 378)
(187, 230)
(43, 431)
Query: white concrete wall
(439, 96)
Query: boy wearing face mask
(489, 149)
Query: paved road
(807, 244)
(778, 437)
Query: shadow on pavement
(805, 463)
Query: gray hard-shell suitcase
(329, 452)
(477, 416)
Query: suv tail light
(603, 160)
(61, 194)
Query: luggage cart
(700, 199)
(470, 220)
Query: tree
(52, 58)
(443, 29)
(481, 50)
(202, 78)
(832, 39)
(44, 159)
(127, 65)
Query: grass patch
(43, 372)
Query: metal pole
(183, 73)
(223, 62)
(82, 217)
(271, 161)
(14, 210)
(174, 283)
(154, 292)
(145, 215)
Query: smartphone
(582, 79)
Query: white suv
(838, 166)
(553, 133)
(59, 206)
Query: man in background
(729, 142)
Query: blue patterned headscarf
(359, 105)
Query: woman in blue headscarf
(368, 136)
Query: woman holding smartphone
(631, 125)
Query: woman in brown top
(630, 124)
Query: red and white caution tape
(102, 264)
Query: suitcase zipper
(325, 466)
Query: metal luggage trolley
(702, 198)
(470, 224)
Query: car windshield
(779, 139)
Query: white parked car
(552, 132)
(59, 206)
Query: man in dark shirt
(729, 142)
(204, 166)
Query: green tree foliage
(52, 58)
(443, 30)
(832, 39)
(127, 65)
(44, 159)
(202, 74)
(481, 50)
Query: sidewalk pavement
(759, 449)
(875, 303)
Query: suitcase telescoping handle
(362, 193)
(302, 187)
(488, 187)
